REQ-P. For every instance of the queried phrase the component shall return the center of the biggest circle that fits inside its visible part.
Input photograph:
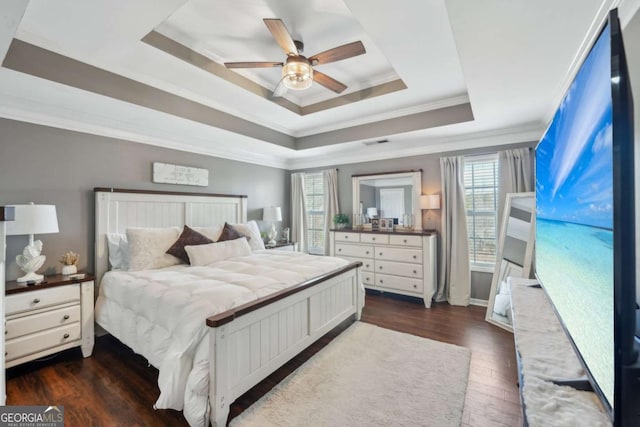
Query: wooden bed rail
(229, 315)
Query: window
(481, 201)
(314, 190)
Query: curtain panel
(298, 212)
(331, 207)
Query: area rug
(369, 376)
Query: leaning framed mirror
(514, 256)
(389, 195)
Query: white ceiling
(511, 60)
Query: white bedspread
(161, 314)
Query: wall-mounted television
(585, 223)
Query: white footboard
(250, 342)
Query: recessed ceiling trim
(33, 60)
(424, 120)
(184, 53)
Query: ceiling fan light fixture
(297, 73)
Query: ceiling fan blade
(339, 53)
(252, 64)
(280, 89)
(328, 82)
(282, 36)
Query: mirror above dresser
(389, 195)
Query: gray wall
(431, 184)
(52, 166)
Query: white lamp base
(272, 235)
(31, 277)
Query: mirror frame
(416, 182)
(503, 266)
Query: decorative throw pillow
(221, 250)
(118, 251)
(251, 230)
(189, 237)
(229, 232)
(148, 247)
(212, 232)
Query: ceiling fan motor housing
(297, 73)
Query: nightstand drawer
(34, 300)
(39, 341)
(378, 239)
(399, 269)
(405, 240)
(38, 322)
(361, 251)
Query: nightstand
(282, 246)
(48, 317)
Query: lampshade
(297, 73)
(272, 214)
(371, 212)
(430, 201)
(33, 219)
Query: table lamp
(428, 202)
(272, 214)
(32, 219)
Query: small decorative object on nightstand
(47, 317)
(69, 263)
(341, 220)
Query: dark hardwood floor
(117, 387)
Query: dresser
(402, 263)
(48, 317)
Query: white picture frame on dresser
(401, 263)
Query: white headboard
(117, 209)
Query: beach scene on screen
(574, 214)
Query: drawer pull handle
(380, 253)
(373, 238)
(367, 252)
(415, 257)
(6, 353)
(6, 332)
(65, 317)
(65, 336)
(405, 240)
(37, 300)
(415, 286)
(367, 279)
(380, 280)
(346, 237)
(367, 265)
(380, 267)
(339, 249)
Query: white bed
(243, 316)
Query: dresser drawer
(400, 283)
(24, 301)
(347, 237)
(361, 251)
(398, 254)
(39, 341)
(378, 239)
(399, 269)
(400, 240)
(367, 263)
(368, 278)
(38, 322)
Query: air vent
(380, 141)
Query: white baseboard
(480, 302)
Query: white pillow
(148, 247)
(211, 252)
(251, 230)
(213, 232)
(118, 251)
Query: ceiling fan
(298, 72)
